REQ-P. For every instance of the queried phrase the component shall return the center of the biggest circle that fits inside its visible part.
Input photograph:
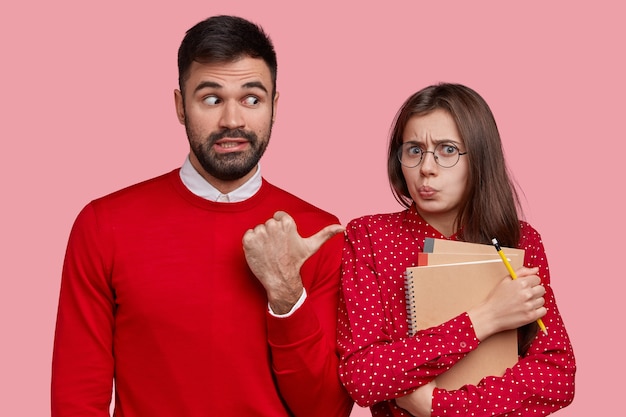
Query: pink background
(87, 108)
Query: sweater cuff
(300, 325)
(294, 308)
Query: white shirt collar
(201, 187)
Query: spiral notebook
(449, 280)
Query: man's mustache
(233, 133)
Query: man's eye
(211, 100)
(251, 100)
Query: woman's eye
(415, 150)
(449, 149)
(211, 100)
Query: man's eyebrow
(255, 84)
(213, 84)
(207, 84)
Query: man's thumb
(316, 241)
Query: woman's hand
(511, 304)
(419, 402)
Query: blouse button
(463, 345)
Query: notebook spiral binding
(410, 302)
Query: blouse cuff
(449, 403)
(456, 336)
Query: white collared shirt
(202, 188)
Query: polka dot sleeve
(380, 362)
(542, 381)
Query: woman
(446, 167)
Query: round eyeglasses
(446, 155)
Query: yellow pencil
(514, 276)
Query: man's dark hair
(221, 39)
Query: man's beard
(228, 166)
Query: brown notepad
(424, 258)
(446, 285)
(432, 245)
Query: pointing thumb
(316, 241)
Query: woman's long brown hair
(490, 204)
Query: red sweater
(156, 295)
(381, 362)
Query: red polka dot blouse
(380, 362)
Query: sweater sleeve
(379, 361)
(82, 364)
(542, 381)
(303, 345)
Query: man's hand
(275, 252)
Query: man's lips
(230, 145)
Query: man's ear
(275, 104)
(180, 106)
